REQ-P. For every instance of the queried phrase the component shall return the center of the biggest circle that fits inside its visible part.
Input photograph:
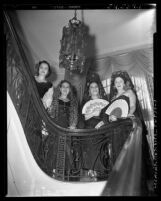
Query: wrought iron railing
(68, 155)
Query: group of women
(62, 104)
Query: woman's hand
(112, 118)
(130, 115)
(101, 123)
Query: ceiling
(112, 29)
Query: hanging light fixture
(72, 56)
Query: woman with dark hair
(94, 100)
(43, 71)
(123, 88)
(64, 107)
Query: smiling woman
(63, 109)
(43, 71)
(93, 102)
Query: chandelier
(72, 56)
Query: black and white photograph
(80, 100)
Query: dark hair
(38, 66)
(71, 88)
(127, 80)
(93, 78)
(89, 84)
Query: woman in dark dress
(123, 88)
(43, 71)
(64, 112)
(64, 107)
(93, 91)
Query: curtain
(139, 65)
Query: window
(106, 84)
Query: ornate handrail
(79, 154)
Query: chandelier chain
(75, 14)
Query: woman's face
(119, 83)
(65, 89)
(43, 69)
(93, 89)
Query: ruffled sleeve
(47, 98)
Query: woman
(94, 91)
(121, 88)
(64, 106)
(43, 71)
(94, 94)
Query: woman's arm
(132, 98)
(104, 118)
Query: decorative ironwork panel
(17, 84)
(33, 132)
(50, 150)
(60, 163)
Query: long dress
(63, 114)
(42, 88)
(93, 150)
(146, 167)
(62, 119)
